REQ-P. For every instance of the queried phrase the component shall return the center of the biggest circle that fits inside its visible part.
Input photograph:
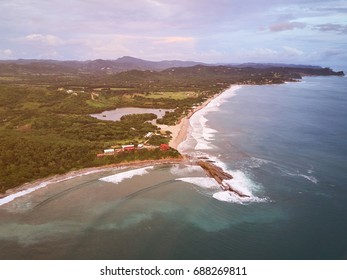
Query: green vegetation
(41, 134)
(168, 95)
(141, 154)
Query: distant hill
(122, 64)
(274, 65)
(127, 63)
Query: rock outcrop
(220, 176)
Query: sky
(218, 31)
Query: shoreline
(180, 130)
(179, 135)
(30, 187)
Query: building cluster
(132, 147)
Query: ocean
(285, 145)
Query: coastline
(30, 187)
(179, 134)
(180, 130)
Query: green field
(177, 95)
(112, 88)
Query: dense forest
(45, 122)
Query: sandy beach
(180, 130)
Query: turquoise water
(285, 145)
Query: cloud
(174, 40)
(283, 26)
(106, 46)
(269, 55)
(291, 52)
(172, 29)
(334, 53)
(43, 39)
(340, 28)
(6, 52)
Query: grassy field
(176, 95)
(112, 88)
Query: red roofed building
(128, 147)
(164, 147)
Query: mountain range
(122, 64)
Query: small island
(46, 128)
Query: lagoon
(115, 115)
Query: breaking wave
(181, 171)
(119, 177)
(232, 198)
(200, 142)
(203, 182)
(11, 197)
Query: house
(149, 134)
(109, 151)
(128, 147)
(164, 147)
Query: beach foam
(200, 134)
(11, 197)
(203, 136)
(177, 170)
(230, 197)
(203, 182)
(309, 177)
(119, 177)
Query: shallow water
(115, 115)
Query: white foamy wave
(242, 183)
(230, 197)
(200, 132)
(310, 177)
(177, 170)
(117, 178)
(11, 197)
(230, 92)
(203, 182)
(257, 162)
(207, 132)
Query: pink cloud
(283, 26)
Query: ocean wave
(181, 171)
(204, 136)
(240, 182)
(309, 177)
(257, 162)
(203, 182)
(230, 197)
(12, 197)
(119, 177)
(200, 134)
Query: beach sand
(180, 130)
